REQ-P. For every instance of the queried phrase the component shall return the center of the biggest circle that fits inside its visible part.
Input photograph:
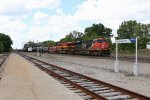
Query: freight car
(45, 49)
(52, 49)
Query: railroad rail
(3, 58)
(88, 88)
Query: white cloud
(18, 7)
(112, 12)
(34, 4)
(24, 16)
(39, 18)
(44, 26)
(39, 15)
(9, 25)
(56, 26)
(59, 11)
(36, 33)
(15, 13)
(14, 28)
(62, 25)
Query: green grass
(141, 53)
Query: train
(99, 46)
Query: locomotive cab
(100, 44)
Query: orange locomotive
(98, 46)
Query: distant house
(148, 45)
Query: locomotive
(98, 46)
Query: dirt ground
(21, 80)
(103, 69)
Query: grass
(141, 53)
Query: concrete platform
(21, 80)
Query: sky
(40, 20)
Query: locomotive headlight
(103, 45)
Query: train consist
(99, 46)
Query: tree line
(90, 33)
(132, 29)
(127, 29)
(5, 43)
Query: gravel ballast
(103, 69)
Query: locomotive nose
(105, 45)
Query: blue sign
(132, 40)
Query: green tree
(143, 34)
(72, 36)
(49, 43)
(132, 29)
(66, 39)
(1, 47)
(77, 36)
(96, 31)
(6, 42)
(29, 44)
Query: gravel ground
(103, 69)
(1, 67)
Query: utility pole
(23, 46)
(38, 49)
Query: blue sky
(38, 20)
(70, 6)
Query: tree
(132, 29)
(49, 43)
(77, 36)
(96, 31)
(29, 44)
(66, 39)
(6, 42)
(143, 34)
(72, 36)
(1, 47)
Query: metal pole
(37, 49)
(116, 63)
(116, 50)
(22, 46)
(136, 66)
(136, 51)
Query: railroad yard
(75, 50)
(21, 80)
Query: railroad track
(3, 58)
(88, 88)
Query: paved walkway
(23, 81)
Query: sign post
(136, 66)
(116, 63)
